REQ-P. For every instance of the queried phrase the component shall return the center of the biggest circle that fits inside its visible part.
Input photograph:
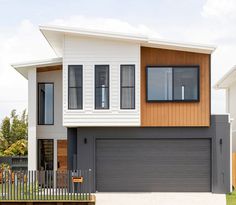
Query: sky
(196, 21)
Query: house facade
(135, 110)
(228, 83)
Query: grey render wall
(219, 133)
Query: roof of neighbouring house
(227, 79)
(55, 35)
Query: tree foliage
(14, 131)
(19, 148)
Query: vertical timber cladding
(176, 113)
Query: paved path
(160, 199)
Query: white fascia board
(226, 80)
(197, 48)
(54, 36)
(23, 67)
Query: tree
(19, 148)
(5, 129)
(13, 130)
(18, 126)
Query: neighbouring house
(135, 110)
(228, 83)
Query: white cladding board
(232, 110)
(55, 131)
(90, 52)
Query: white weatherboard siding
(90, 52)
(32, 141)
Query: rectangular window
(101, 86)
(174, 83)
(45, 154)
(75, 86)
(127, 86)
(45, 104)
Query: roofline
(142, 39)
(43, 62)
(218, 84)
(23, 66)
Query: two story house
(134, 110)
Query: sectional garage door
(143, 165)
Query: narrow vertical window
(101, 86)
(75, 87)
(45, 104)
(127, 86)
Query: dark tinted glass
(127, 87)
(75, 92)
(45, 103)
(172, 83)
(159, 82)
(185, 83)
(101, 87)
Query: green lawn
(231, 198)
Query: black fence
(15, 162)
(46, 185)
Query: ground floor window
(45, 154)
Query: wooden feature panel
(176, 114)
(49, 68)
(234, 169)
(62, 155)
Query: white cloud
(219, 8)
(26, 44)
(105, 24)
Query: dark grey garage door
(138, 165)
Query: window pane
(45, 154)
(127, 98)
(102, 75)
(185, 83)
(159, 82)
(75, 75)
(102, 87)
(45, 99)
(127, 75)
(75, 98)
(102, 98)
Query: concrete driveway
(160, 199)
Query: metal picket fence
(46, 185)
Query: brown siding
(62, 154)
(49, 68)
(176, 113)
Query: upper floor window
(177, 83)
(75, 87)
(127, 86)
(101, 86)
(45, 104)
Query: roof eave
(23, 67)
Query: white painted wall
(231, 108)
(90, 52)
(56, 131)
(32, 102)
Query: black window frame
(108, 87)
(76, 87)
(133, 108)
(38, 152)
(173, 67)
(43, 83)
